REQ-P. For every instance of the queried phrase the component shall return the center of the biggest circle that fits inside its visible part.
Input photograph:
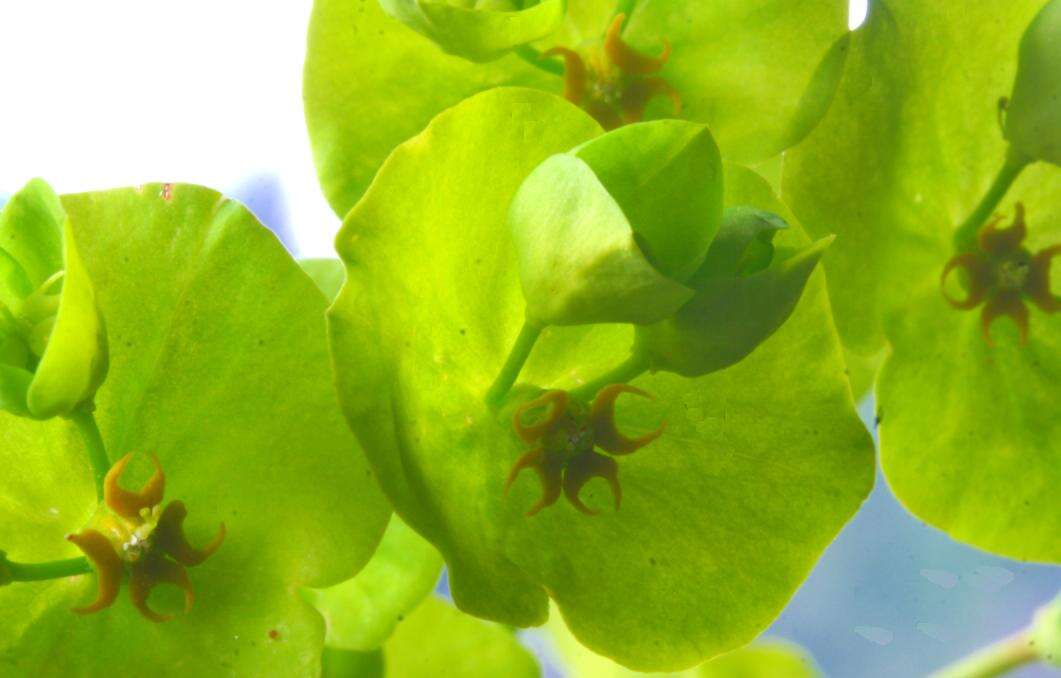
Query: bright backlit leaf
(760, 465)
(970, 437)
(760, 75)
(361, 613)
(479, 30)
(219, 365)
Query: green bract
(759, 77)
(361, 613)
(53, 346)
(437, 640)
(479, 30)
(1033, 114)
(969, 433)
(766, 658)
(219, 365)
(759, 466)
(609, 232)
(732, 313)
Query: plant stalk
(965, 236)
(97, 451)
(994, 660)
(517, 357)
(55, 569)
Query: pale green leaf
(438, 640)
(760, 466)
(480, 30)
(760, 75)
(361, 613)
(219, 366)
(371, 83)
(969, 434)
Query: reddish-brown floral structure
(1001, 274)
(565, 437)
(142, 541)
(615, 83)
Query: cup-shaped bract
(53, 345)
(1033, 115)
(742, 298)
(478, 30)
(611, 231)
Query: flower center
(1012, 273)
(614, 82)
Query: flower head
(565, 435)
(615, 82)
(140, 539)
(1002, 273)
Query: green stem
(993, 660)
(534, 58)
(965, 236)
(97, 452)
(55, 569)
(631, 368)
(528, 335)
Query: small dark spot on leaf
(274, 634)
(401, 617)
(261, 342)
(651, 561)
(166, 192)
(463, 331)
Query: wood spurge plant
(652, 251)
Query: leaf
(744, 244)
(37, 244)
(361, 613)
(1033, 114)
(760, 76)
(766, 658)
(666, 176)
(371, 83)
(479, 31)
(326, 274)
(349, 664)
(969, 433)
(729, 317)
(437, 640)
(759, 468)
(769, 659)
(579, 259)
(757, 74)
(31, 232)
(905, 154)
(75, 362)
(219, 366)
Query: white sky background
(111, 93)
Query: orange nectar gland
(140, 539)
(564, 438)
(615, 84)
(1001, 274)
